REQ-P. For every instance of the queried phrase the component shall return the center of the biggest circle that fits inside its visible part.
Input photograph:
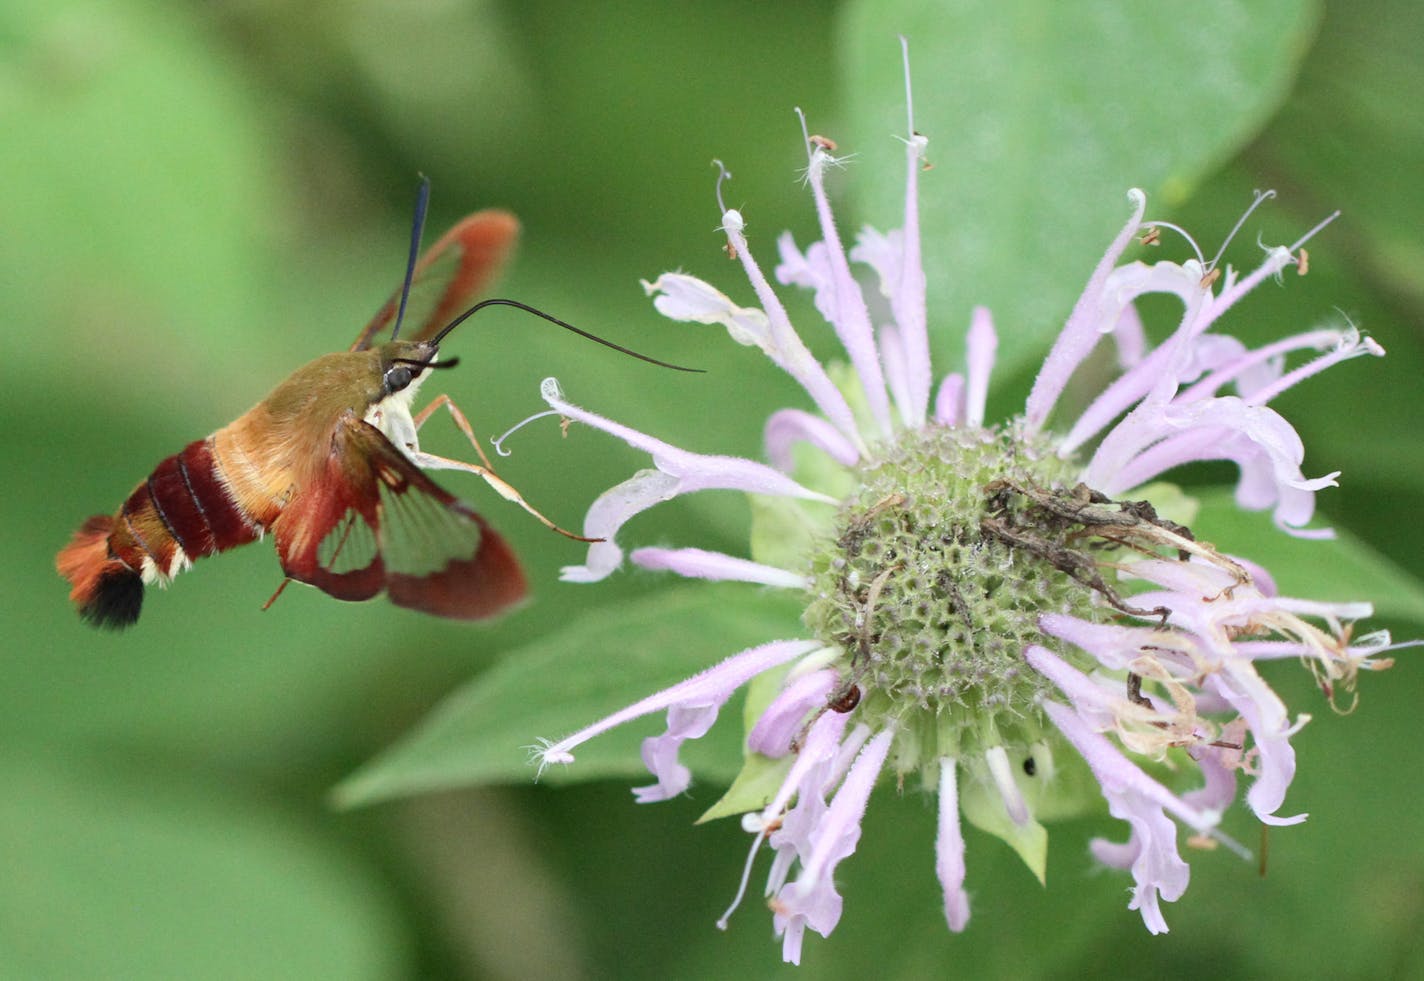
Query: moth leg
(460, 421)
(429, 461)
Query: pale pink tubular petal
(786, 427)
(779, 724)
(805, 781)
(1154, 438)
(1219, 764)
(815, 772)
(1265, 714)
(982, 346)
(1094, 705)
(696, 563)
(840, 301)
(688, 299)
(1245, 367)
(1344, 352)
(712, 686)
(1132, 796)
(1113, 645)
(678, 472)
(689, 720)
(1166, 365)
(1001, 770)
(1080, 334)
(892, 358)
(812, 900)
(609, 512)
(1113, 770)
(949, 849)
(907, 301)
(1277, 258)
(796, 360)
(1130, 338)
(949, 402)
(694, 471)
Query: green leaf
(1339, 569)
(983, 807)
(161, 878)
(1040, 117)
(591, 668)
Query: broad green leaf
(1340, 569)
(1040, 116)
(158, 878)
(591, 668)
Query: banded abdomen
(186, 509)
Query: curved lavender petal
(815, 772)
(678, 472)
(609, 512)
(688, 720)
(839, 299)
(1080, 333)
(688, 299)
(982, 345)
(949, 849)
(779, 723)
(715, 684)
(786, 427)
(892, 359)
(812, 900)
(1130, 338)
(1219, 764)
(797, 360)
(907, 301)
(1132, 796)
(1246, 368)
(1001, 772)
(697, 563)
(1271, 729)
(949, 402)
(1114, 646)
(1154, 438)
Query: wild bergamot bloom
(983, 601)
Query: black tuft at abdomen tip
(117, 600)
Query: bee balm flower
(989, 603)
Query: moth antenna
(422, 201)
(435, 341)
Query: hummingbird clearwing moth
(329, 463)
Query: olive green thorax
(320, 391)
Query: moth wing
(458, 267)
(375, 521)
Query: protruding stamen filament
(1261, 198)
(723, 175)
(498, 443)
(1312, 233)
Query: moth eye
(397, 377)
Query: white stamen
(1311, 234)
(723, 175)
(1182, 232)
(1261, 198)
(498, 443)
(909, 102)
(746, 878)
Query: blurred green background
(199, 198)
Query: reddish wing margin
(375, 521)
(461, 265)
